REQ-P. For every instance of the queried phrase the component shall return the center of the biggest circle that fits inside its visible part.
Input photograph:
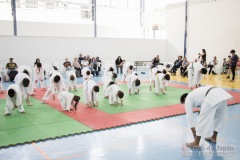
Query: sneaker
(228, 77)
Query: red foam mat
(91, 117)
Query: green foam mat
(146, 99)
(40, 122)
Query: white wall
(175, 26)
(213, 26)
(25, 50)
(68, 30)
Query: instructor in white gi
(213, 103)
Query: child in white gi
(13, 100)
(90, 90)
(71, 80)
(38, 75)
(24, 83)
(1, 91)
(26, 69)
(106, 80)
(114, 93)
(67, 100)
(152, 73)
(159, 82)
(133, 84)
(56, 85)
(86, 73)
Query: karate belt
(209, 90)
(206, 95)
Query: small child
(25, 86)
(56, 85)
(114, 93)
(38, 75)
(159, 82)
(133, 84)
(67, 100)
(13, 100)
(90, 90)
(71, 80)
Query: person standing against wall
(155, 61)
(234, 60)
(204, 57)
(119, 64)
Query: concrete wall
(25, 50)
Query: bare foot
(7, 114)
(193, 145)
(30, 104)
(211, 139)
(43, 102)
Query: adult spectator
(11, 69)
(99, 63)
(212, 65)
(184, 65)
(94, 67)
(204, 58)
(80, 58)
(84, 62)
(177, 64)
(234, 60)
(228, 67)
(224, 66)
(119, 64)
(155, 61)
(77, 67)
(67, 64)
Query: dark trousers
(233, 68)
(183, 69)
(121, 67)
(210, 70)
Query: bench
(141, 64)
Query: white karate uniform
(17, 99)
(65, 99)
(85, 76)
(1, 80)
(213, 109)
(126, 69)
(54, 87)
(25, 91)
(106, 81)
(159, 82)
(106, 69)
(38, 76)
(131, 83)
(21, 68)
(70, 83)
(112, 91)
(89, 94)
(152, 74)
(190, 75)
(197, 76)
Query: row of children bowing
(23, 88)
